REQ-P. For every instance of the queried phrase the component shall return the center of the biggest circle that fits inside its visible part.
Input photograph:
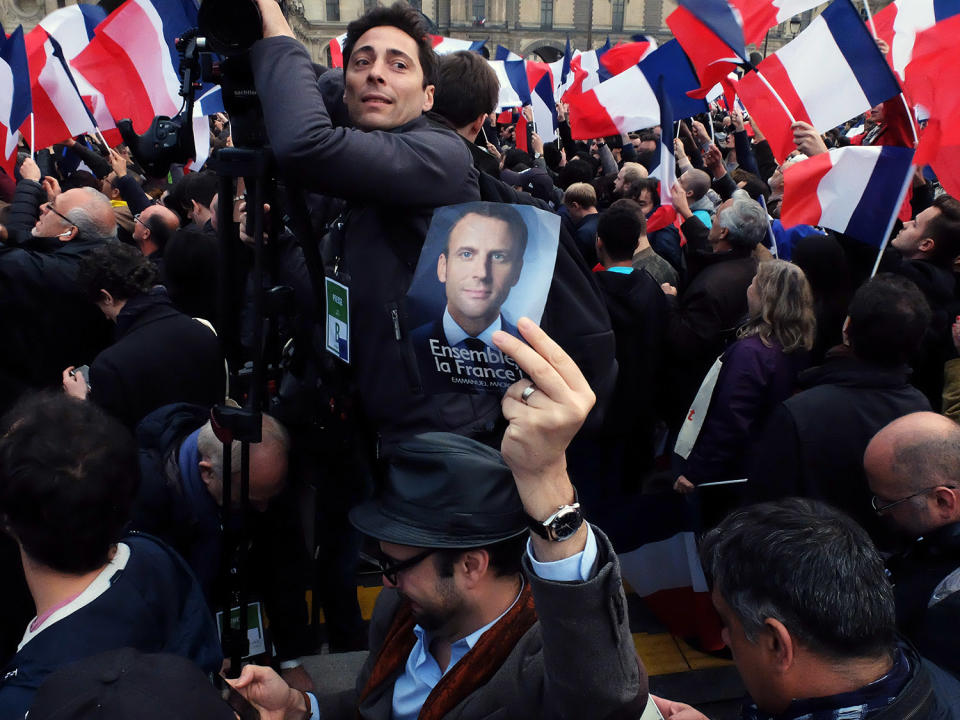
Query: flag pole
(33, 145)
(893, 219)
(776, 95)
(873, 29)
(913, 122)
(102, 138)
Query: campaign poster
(483, 266)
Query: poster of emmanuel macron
(483, 266)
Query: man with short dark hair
(809, 617)
(68, 477)
(580, 203)
(814, 442)
(629, 175)
(913, 468)
(458, 632)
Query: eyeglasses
(392, 568)
(880, 509)
(136, 218)
(60, 215)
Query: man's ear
(845, 331)
(442, 268)
(926, 245)
(206, 471)
(778, 644)
(476, 125)
(428, 97)
(105, 297)
(474, 564)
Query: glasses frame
(880, 510)
(391, 568)
(60, 215)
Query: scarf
(474, 669)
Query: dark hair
(888, 318)
(201, 186)
(506, 557)
(79, 179)
(619, 230)
(809, 566)
(68, 477)
(634, 207)
(468, 88)
(652, 184)
(118, 268)
(399, 15)
(514, 157)
(499, 211)
(576, 170)
(944, 230)
(755, 187)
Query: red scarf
(472, 671)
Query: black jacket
(705, 315)
(916, 573)
(814, 443)
(276, 559)
(392, 181)
(161, 356)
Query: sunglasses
(391, 568)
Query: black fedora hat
(444, 491)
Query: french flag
(446, 45)
(561, 71)
(540, 87)
(761, 15)
(853, 190)
(665, 165)
(210, 103)
(58, 109)
(513, 84)
(129, 60)
(711, 33)
(900, 23)
(831, 72)
(73, 27)
(15, 100)
(585, 71)
(336, 51)
(503, 53)
(628, 101)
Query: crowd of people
(801, 405)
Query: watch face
(566, 524)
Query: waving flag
(761, 15)
(853, 190)
(59, 110)
(129, 62)
(711, 34)
(561, 70)
(665, 164)
(585, 72)
(336, 51)
(15, 101)
(628, 101)
(210, 103)
(922, 38)
(540, 87)
(503, 53)
(510, 96)
(829, 73)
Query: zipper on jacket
(395, 316)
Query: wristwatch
(560, 526)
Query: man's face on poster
(482, 263)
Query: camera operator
(393, 166)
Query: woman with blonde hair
(750, 379)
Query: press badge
(338, 319)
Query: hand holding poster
(483, 266)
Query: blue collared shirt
(422, 672)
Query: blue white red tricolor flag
(628, 101)
(130, 63)
(540, 83)
(711, 33)
(853, 190)
(503, 53)
(829, 73)
(210, 103)
(664, 166)
(15, 101)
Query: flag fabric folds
(829, 73)
(665, 164)
(15, 100)
(58, 109)
(900, 23)
(503, 53)
(540, 87)
(853, 190)
(761, 15)
(128, 61)
(336, 51)
(628, 101)
(711, 34)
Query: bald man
(153, 227)
(913, 468)
(695, 184)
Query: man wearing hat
(498, 600)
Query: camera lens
(230, 26)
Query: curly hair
(119, 269)
(786, 308)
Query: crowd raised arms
(507, 366)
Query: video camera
(214, 52)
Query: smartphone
(651, 712)
(240, 705)
(84, 371)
